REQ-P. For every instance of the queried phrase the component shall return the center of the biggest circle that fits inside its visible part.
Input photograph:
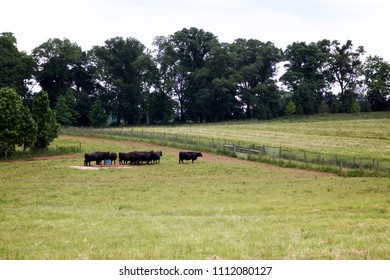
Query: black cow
(135, 157)
(139, 157)
(124, 158)
(97, 156)
(188, 156)
(156, 156)
(121, 157)
(113, 157)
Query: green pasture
(332, 143)
(361, 135)
(223, 207)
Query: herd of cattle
(135, 157)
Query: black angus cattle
(97, 156)
(121, 157)
(156, 156)
(124, 158)
(188, 156)
(140, 157)
(135, 157)
(113, 157)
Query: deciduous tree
(47, 126)
(125, 71)
(11, 115)
(345, 66)
(306, 74)
(377, 80)
(16, 67)
(97, 115)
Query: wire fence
(287, 156)
(322, 160)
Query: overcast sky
(91, 22)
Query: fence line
(306, 157)
(254, 151)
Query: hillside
(361, 137)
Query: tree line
(21, 126)
(190, 76)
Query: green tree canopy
(345, 66)
(182, 59)
(47, 126)
(57, 62)
(377, 79)
(16, 68)
(28, 130)
(306, 74)
(97, 115)
(11, 115)
(125, 72)
(255, 65)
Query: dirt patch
(48, 158)
(99, 167)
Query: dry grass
(232, 209)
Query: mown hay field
(365, 136)
(216, 207)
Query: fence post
(80, 146)
(341, 165)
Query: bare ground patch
(99, 167)
(48, 158)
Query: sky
(89, 23)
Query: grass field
(365, 135)
(218, 206)
(345, 144)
